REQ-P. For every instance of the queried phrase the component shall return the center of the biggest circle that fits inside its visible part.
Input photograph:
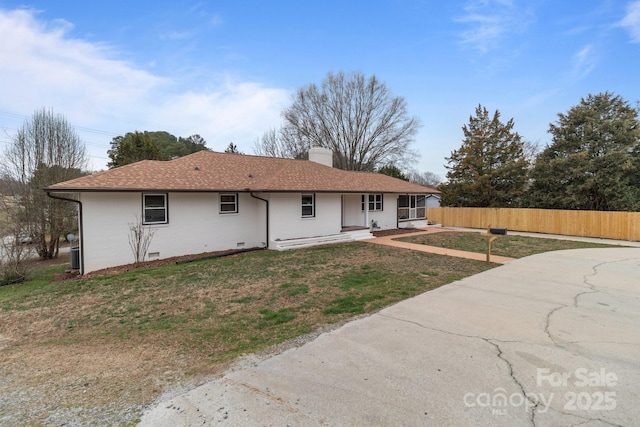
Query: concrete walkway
(390, 241)
(546, 340)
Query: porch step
(416, 223)
(283, 245)
(362, 234)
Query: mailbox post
(491, 235)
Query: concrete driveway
(548, 340)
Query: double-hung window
(228, 203)
(374, 202)
(308, 205)
(155, 210)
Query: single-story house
(209, 201)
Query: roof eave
(235, 190)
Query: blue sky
(226, 69)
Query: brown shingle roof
(211, 171)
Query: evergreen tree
(394, 171)
(157, 145)
(593, 161)
(171, 147)
(132, 148)
(192, 144)
(232, 149)
(490, 168)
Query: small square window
(374, 203)
(154, 208)
(308, 205)
(228, 203)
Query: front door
(352, 214)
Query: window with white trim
(375, 202)
(228, 203)
(155, 209)
(308, 205)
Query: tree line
(591, 163)
(158, 145)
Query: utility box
(75, 258)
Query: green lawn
(126, 331)
(508, 246)
(240, 293)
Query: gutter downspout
(267, 206)
(79, 225)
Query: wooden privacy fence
(608, 225)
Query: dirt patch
(159, 263)
(77, 384)
(4, 342)
(67, 275)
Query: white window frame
(312, 204)
(164, 208)
(375, 202)
(227, 203)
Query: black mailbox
(502, 231)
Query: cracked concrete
(547, 340)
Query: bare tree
(139, 240)
(15, 249)
(282, 142)
(426, 178)
(531, 150)
(14, 254)
(357, 118)
(46, 150)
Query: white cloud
(489, 21)
(216, 21)
(235, 112)
(631, 21)
(177, 35)
(43, 66)
(584, 61)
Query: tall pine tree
(490, 168)
(593, 162)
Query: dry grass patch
(97, 350)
